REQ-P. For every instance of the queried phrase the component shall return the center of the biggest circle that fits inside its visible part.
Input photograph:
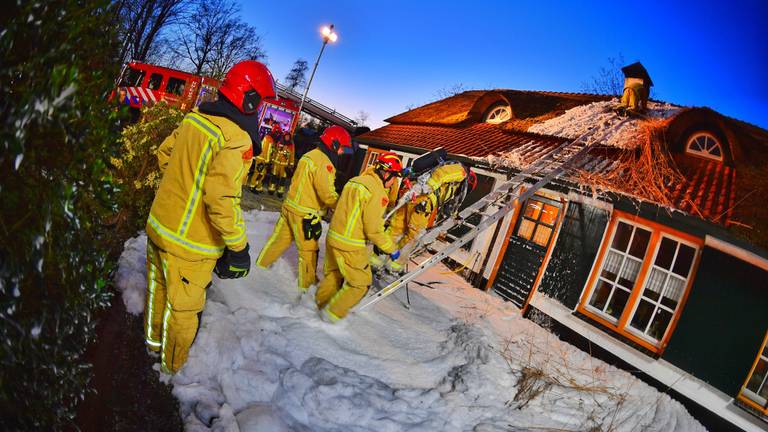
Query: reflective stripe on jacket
(196, 210)
(359, 215)
(313, 185)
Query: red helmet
(335, 138)
(471, 179)
(247, 84)
(389, 162)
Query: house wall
(723, 323)
(574, 253)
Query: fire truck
(141, 84)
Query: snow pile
(131, 276)
(597, 116)
(458, 360)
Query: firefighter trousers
(289, 228)
(175, 298)
(259, 175)
(346, 278)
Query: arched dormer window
(706, 145)
(498, 114)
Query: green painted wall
(575, 251)
(723, 323)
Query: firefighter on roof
(264, 159)
(358, 219)
(195, 224)
(312, 191)
(282, 163)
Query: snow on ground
(458, 360)
(576, 121)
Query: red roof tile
(478, 140)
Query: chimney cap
(637, 70)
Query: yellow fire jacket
(359, 215)
(196, 211)
(283, 155)
(444, 181)
(313, 186)
(267, 144)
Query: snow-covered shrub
(136, 171)
(58, 132)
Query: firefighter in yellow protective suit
(282, 162)
(312, 191)
(195, 225)
(443, 184)
(358, 219)
(264, 159)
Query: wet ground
(129, 395)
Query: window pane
(673, 292)
(621, 239)
(532, 209)
(629, 272)
(758, 376)
(659, 324)
(133, 78)
(654, 285)
(618, 301)
(154, 81)
(526, 229)
(715, 151)
(684, 260)
(175, 86)
(643, 315)
(666, 253)
(611, 266)
(542, 235)
(640, 243)
(549, 215)
(600, 296)
(765, 351)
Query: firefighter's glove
(312, 227)
(233, 265)
(395, 255)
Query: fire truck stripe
(151, 95)
(143, 95)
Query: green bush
(136, 172)
(58, 133)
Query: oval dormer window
(498, 114)
(706, 145)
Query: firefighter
(312, 191)
(358, 218)
(264, 160)
(282, 163)
(444, 195)
(195, 225)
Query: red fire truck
(142, 84)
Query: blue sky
(394, 54)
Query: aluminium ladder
(548, 167)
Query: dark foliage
(58, 63)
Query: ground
(129, 395)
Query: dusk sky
(391, 55)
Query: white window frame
(587, 304)
(707, 152)
(687, 280)
(495, 116)
(754, 397)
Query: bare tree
(362, 118)
(446, 92)
(297, 76)
(609, 79)
(213, 38)
(141, 22)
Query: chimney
(637, 87)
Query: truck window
(154, 81)
(132, 78)
(175, 86)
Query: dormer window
(706, 145)
(498, 114)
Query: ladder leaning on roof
(497, 204)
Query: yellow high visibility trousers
(346, 278)
(175, 296)
(288, 229)
(259, 175)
